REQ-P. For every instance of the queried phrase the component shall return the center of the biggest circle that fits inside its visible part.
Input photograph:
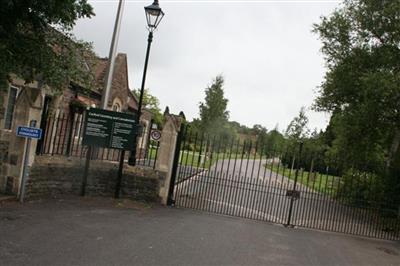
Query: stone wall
(3, 167)
(54, 176)
(3, 96)
(3, 142)
(67, 98)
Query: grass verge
(324, 183)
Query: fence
(63, 134)
(291, 185)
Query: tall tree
(213, 111)
(261, 133)
(151, 103)
(274, 142)
(298, 127)
(361, 44)
(36, 41)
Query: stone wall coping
(72, 162)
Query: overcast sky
(266, 51)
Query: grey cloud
(266, 52)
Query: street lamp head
(154, 15)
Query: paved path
(92, 232)
(248, 189)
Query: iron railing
(63, 134)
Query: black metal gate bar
(249, 201)
(224, 180)
(250, 180)
(259, 186)
(225, 208)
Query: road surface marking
(259, 213)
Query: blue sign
(29, 132)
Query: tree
(296, 132)
(151, 103)
(213, 111)
(298, 127)
(36, 42)
(361, 89)
(274, 142)
(361, 44)
(261, 133)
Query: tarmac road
(248, 189)
(87, 231)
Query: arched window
(116, 107)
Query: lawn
(195, 159)
(152, 152)
(327, 184)
(192, 158)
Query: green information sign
(110, 129)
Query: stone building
(121, 98)
(21, 103)
(25, 102)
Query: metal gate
(285, 185)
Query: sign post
(29, 133)
(112, 130)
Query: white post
(113, 49)
(24, 175)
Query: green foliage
(36, 43)
(274, 142)
(195, 126)
(298, 127)
(151, 103)
(323, 183)
(261, 133)
(361, 188)
(297, 131)
(213, 111)
(361, 88)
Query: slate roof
(120, 77)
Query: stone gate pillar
(166, 153)
(28, 107)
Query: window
(116, 107)
(12, 98)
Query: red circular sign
(155, 135)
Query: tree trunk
(311, 170)
(293, 160)
(393, 148)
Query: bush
(362, 189)
(189, 147)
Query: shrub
(362, 189)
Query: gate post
(170, 200)
(165, 157)
(292, 198)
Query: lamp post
(154, 15)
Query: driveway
(246, 188)
(90, 231)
